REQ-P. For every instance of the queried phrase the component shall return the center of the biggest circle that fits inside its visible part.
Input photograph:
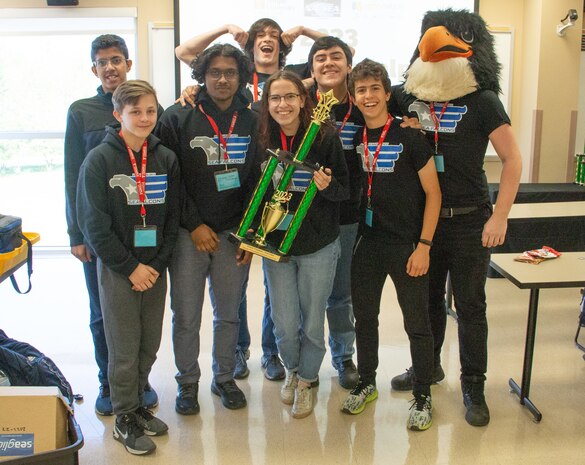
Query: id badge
(439, 163)
(369, 217)
(227, 179)
(144, 236)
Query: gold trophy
(272, 216)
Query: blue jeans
(96, 320)
(299, 290)
(457, 250)
(188, 271)
(339, 309)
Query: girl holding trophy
(299, 287)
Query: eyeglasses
(216, 74)
(103, 62)
(288, 98)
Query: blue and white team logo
(250, 87)
(389, 154)
(156, 187)
(237, 147)
(448, 122)
(347, 133)
(299, 182)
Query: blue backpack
(24, 365)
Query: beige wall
(545, 82)
(148, 11)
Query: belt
(451, 212)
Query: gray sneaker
(151, 425)
(128, 431)
(287, 391)
(303, 403)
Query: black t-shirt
(463, 138)
(398, 199)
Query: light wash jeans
(299, 290)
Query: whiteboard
(162, 61)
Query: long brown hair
(268, 126)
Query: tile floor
(54, 318)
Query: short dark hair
(129, 92)
(327, 42)
(369, 68)
(259, 26)
(200, 65)
(108, 41)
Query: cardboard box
(32, 420)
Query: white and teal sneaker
(357, 399)
(421, 417)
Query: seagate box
(32, 420)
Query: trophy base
(267, 251)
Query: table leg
(523, 392)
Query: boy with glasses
(215, 144)
(86, 127)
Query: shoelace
(132, 426)
(187, 390)
(419, 402)
(361, 387)
(104, 391)
(144, 413)
(230, 386)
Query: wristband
(426, 242)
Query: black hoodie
(108, 208)
(189, 134)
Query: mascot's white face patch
(441, 81)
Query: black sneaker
(103, 403)
(231, 395)
(241, 371)
(150, 397)
(186, 402)
(128, 431)
(348, 375)
(478, 413)
(151, 425)
(274, 369)
(403, 382)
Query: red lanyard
(376, 154)
(140, 177)
(255, 81)
(222, 141)
(283, 142)
(437, 122)
(347, 115)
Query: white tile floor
(54, 318)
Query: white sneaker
(421, 417)
(287, 391)
(303, 403)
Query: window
(45, 65)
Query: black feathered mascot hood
(455, 57)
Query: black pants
(372, 262)
(457, 250)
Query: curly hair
(369, 68)
(200, 65)
(268, 127)
(108, 41)
(257, 27)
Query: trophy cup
(274, 212)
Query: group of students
(152, 196)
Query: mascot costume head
(455, 57)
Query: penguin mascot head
(455, 57)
